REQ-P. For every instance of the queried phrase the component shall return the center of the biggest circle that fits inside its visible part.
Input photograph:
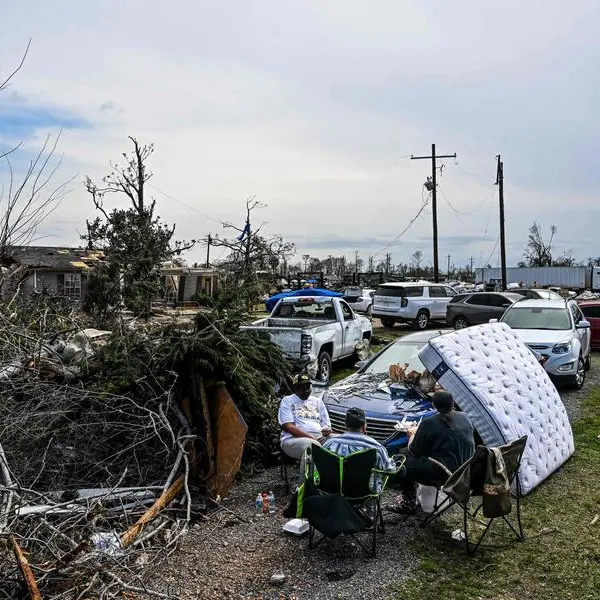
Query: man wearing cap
(303, 419)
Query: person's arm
(418, 440)
(296, 431)
(325, 422)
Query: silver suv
(415, 303)
(558, 331)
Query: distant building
(57, 271)
(184, 283)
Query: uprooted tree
(135, 241)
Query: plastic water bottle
(271, 498)
(259, 502)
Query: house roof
(51, 257)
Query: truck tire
(324, 367)
(369, 310)
(389, 323)
(588, 362)
(422, 320)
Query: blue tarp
(273, 300)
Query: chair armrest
(385, 475)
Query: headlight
(561, 348)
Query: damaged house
(55, 270)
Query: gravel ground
(225, 557)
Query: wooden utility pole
(208, 251)
(448, 271)
(433, 158)
(500, 184)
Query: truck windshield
(306, 308)
(401, 353)
(538, 318)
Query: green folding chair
(342, 495)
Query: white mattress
(497, 381)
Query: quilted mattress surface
(497, 381)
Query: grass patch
(560, 560)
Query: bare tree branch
(4, 84)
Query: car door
(497, 305)
(592, 313)
(352, 329)
(439, 301)
(584, 334)
(477, 309)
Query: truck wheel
(388, 323)
(588, 362)
(369, 310)
(421, 321)
(324, 367)
(460, 323)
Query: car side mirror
(493, 321)
(359, 365)
(583, 325)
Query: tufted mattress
(497, 381)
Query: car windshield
(537, 318)
(399, 353)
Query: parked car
(360, 299)
(479, 307)
(416, 303)
(536, 293)
(384, 404)
(591, 311)
(314, 331)
(558, 331)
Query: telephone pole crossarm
(433, 157)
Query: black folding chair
(467, 483)
(344, 501)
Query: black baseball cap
(301, 379)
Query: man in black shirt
(446, 438)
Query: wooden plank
(162, 502)
(25, 568)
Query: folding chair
(343, 501)
(467, 482)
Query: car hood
(542, 336)
(377, 397)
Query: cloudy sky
(314, 107)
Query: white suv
(416, 303)
(558, 331)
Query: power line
(493, 250)
(184, 204)
(425, 203)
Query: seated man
(447, 437)
(355, 439)
(303, 419)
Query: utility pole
(208, 251)
(500, 184)
(370, 264)
(356, 261)
(388, 260)
(471, 270)
(448, 276)
(433, 158)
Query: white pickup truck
(315, 330)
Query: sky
(314, 108)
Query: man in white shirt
(303, 419)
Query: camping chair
(341, 500)
(467, 482)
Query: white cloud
(311, 105)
